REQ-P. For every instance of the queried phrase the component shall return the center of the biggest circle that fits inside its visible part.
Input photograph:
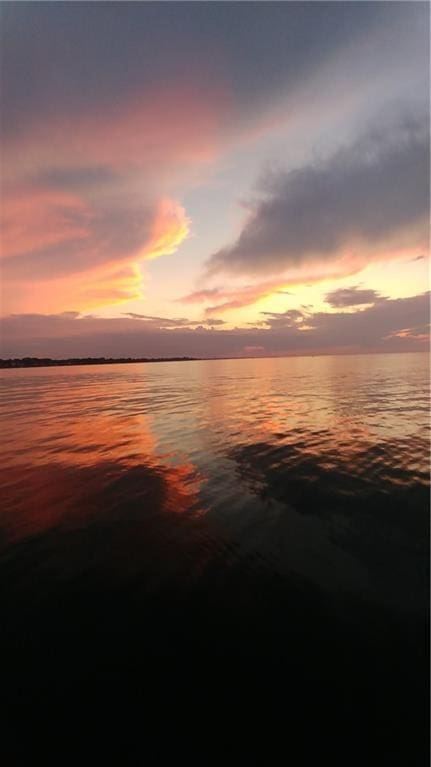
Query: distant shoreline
(39, 362)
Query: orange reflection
(67, 497)
(71, 471)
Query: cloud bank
(387, 325)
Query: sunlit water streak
(289, 493)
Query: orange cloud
(170, 228)
(246, 295)
(86, 290)
(86, 197)
(60, 250)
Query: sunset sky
(214, 179)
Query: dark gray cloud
(389, 325)
(175, 322)
(385, 324)
(74, 179)
(62, 58)
(213, 321)
(354, 296)
(287, 319)
(365, 195)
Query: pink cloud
(246, 295)
(37, 218)
(85, 196)
(61, 249)
(164, 129)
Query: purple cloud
(389, 325)
(353, 296)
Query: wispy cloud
(222, 299)
(174, 322)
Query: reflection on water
(272, 508)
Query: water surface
(270, 514)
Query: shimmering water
(273, 510)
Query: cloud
(75, 178)
(107, 55)
(253, 350)
(80, 251)
(47, 234)
(213, 321)
(107, 110)
(368, 328)
(389, 325)
(176, 322)
(369, 199)
(292, 318)
(158, 321)
(229, 298)
(182, 87)
(353, 296)
(200, 296)
(240, 295)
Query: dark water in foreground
(244, 535)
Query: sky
(214, 178)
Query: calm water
(266, 518)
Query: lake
(257, 523)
